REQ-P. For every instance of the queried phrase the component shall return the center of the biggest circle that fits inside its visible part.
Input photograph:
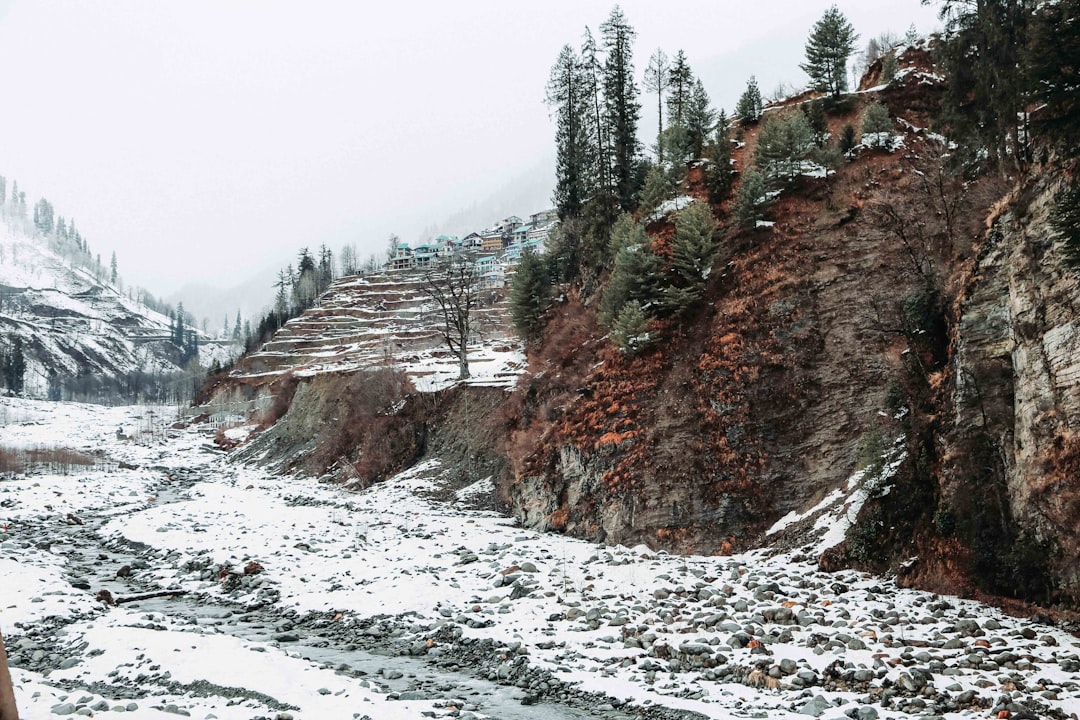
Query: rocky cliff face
(1016, 401)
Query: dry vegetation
(53, 460)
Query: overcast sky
(203, 141)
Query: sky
(206, 141)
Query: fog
(209, 141)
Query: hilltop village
(494, 251)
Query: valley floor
(292, 599)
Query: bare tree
(656, 80)
(7, 692)
(454, 288)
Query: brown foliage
(43, 459)
(369, 436)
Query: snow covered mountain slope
(78, 335)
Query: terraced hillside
(385, 319)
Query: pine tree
(656, 80)
(748, 109)
(629, 330)
(1065, 221)
(3, 191)
(889, 68)
(16, 366)
(326, 268)
(621, 106)
(831, 43)
(700, 118)
(1053, 59)
(847, 139)
(720, 175)
(281, 299)
(693, 250)
(876, 126)
(783, 144)
(567, 93)
(681, 81)
(636, 271)
(599, 176)
(112, 266)
(178, 328)
(530, 295)
(751, 198)
(657, 189)
(987, 95)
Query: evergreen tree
(1053, 58)
(889, 68)
(751, 198)
(681, 82)
(700, 118)
(656, 80)
(657, 189)
(3, 191)
(281, 298)
(719, 176)
(305, 287)
(693, 250)
(599, 176)
(326, 268)
(876, 126)
(749, 108)
(783, 144)
(621, 106)
(636, 271)
(567, 93)
(112, 267)
(983, 57)
(530, 295)
(15, 369)
(1065, 221)
(178, 327)
(847, 139)
(815, 115)
(831, 43)
(629, 330)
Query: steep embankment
(758, 403)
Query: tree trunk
(7, 692)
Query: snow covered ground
(295, 599)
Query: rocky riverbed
(279, 597)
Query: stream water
(93, 562)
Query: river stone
(63, 709)
(866, 712)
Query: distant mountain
(65, 333)
(251, 298)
